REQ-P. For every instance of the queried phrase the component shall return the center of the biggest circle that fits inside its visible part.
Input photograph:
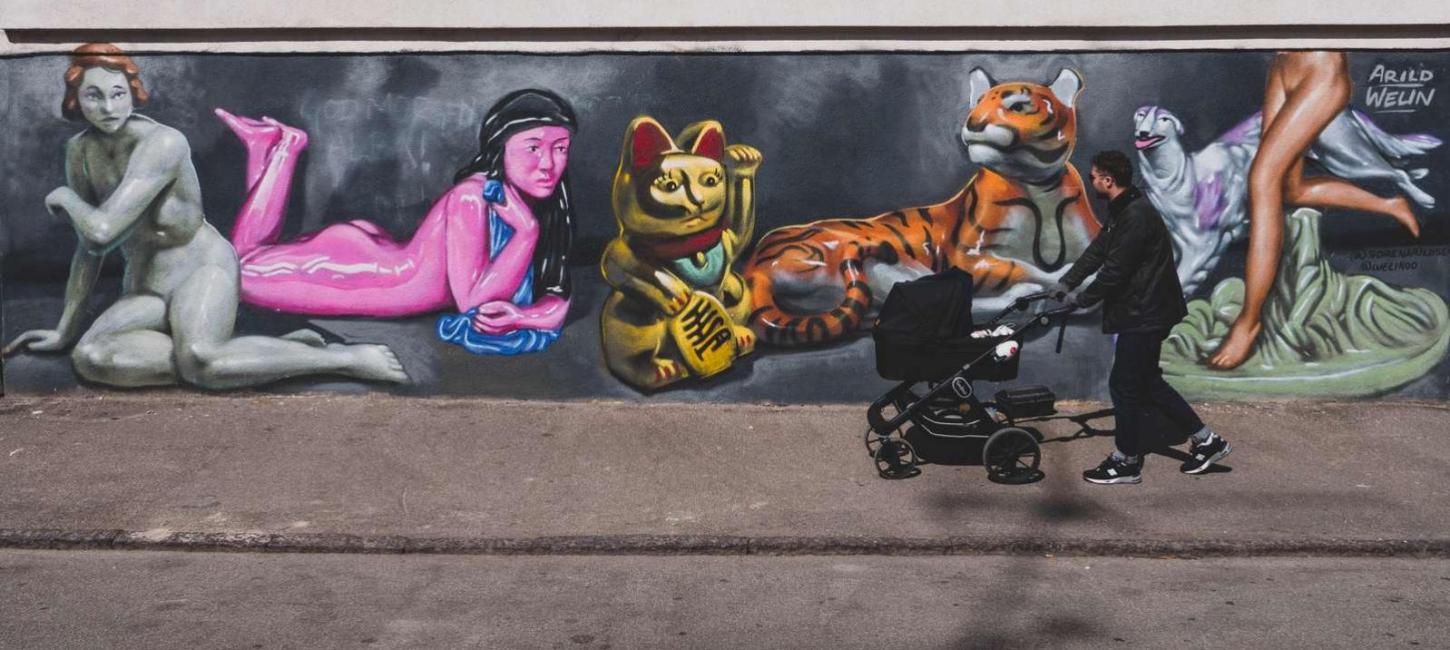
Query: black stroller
(925, 334)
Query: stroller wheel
(874, 441)
(1011, 456)
(896, 459)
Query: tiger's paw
(744, 159)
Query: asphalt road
(143, 599)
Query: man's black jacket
(1133, 257)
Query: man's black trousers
(1137, 387)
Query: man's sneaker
(1115, 471)
(1202, 455)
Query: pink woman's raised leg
(257, 136)
(259, 221)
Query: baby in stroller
(925, 335)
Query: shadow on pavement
(1011, 617)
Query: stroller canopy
(931, 308)
(924, 333)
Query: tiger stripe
(975, 230)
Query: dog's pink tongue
(1145, 143)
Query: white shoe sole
(1211, 460)
(1128, 480)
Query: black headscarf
(518, 111)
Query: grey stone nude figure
(131, 186)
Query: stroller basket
(924, 332)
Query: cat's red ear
(650, 143)
(710, 143)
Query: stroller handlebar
(1022, 303)
(1031, 298)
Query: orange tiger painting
(1016, 226)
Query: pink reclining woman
(494, 247)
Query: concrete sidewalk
(180, 470)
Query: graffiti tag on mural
(1404, 258)
(1399, 90)
(435, 112)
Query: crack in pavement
(714, 545)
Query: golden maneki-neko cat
(686, 209)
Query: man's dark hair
(1116, 165)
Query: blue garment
(458, 328)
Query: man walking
(1142, 301)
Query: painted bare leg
(308, 337)
(259, 221)
(202, 314)
(1336, 193)
(1287, 135)
(126, 347)
(257, 136)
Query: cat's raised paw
(744, 158)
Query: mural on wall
(1304, 93)
(495, 246)
(1326, 333)
(1016, 226)
(678, 309)
(130, 187)
(1203, 195)
(1312, 330)
(417, 207)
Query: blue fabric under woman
(457, 328)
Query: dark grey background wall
(843, 135)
